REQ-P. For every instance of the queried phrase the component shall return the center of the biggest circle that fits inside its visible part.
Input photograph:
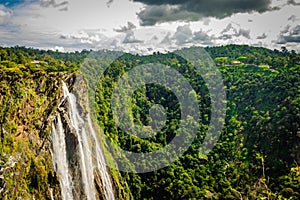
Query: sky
(145, 26)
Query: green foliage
(257, 156)
(29, 93)
(258, 145)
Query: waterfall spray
(90, 154)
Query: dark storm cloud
(162, 13)
(171, 10)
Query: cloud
(167, 40)
(40, 24)
(295, 30)
(261, 37)
(123, 29)
(203, 38)
(158, 11)
(225, 37)
(229, 28)
(293, 18)
(183, 34)
(290, 35)
(206, 21)
(288, 39)
(245, 33)
(235, 30)
(286, 29)
(109, 2)
(154, 38)
(163, 13)
(201, 35)
(85, 36)
(52, 3)
(5, 14)
(58, 48)
(293, 2)
(130, 38)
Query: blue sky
(13, 3)
(144, 26)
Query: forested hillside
(256, 157)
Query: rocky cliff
(28, 100)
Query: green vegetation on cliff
(30, 90)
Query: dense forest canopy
(257, 155)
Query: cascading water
(60, 161)
(86, 164)
(108, 192)
(89, 150)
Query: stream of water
(89, 150)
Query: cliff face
(28, 100)
(84, 156)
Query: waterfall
(60, 161)
(86, 164)
(108, 192)
(90, 157)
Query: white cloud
(130, 38)
(183, 34)
(58, 48)
(167, 40)
(92, 24)
(261, 37)
(5, 14)
(130, 26)
(203, 37)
